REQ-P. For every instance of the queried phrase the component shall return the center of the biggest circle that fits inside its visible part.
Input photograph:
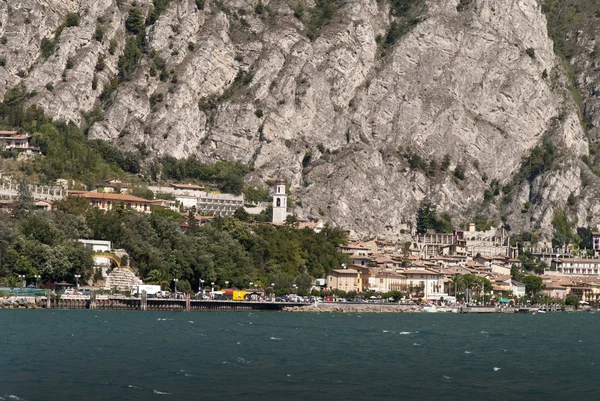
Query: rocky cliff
(366, 106)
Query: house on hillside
(104, 201)
(13, 140)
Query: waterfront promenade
(142, 303)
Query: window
(278, 202)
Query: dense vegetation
(427, 219)
(227, 176)
(69, 154)
(321, 15)
(227, 249)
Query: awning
(504, 300)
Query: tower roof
(280, 181)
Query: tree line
(164, 245)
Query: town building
(576, 266)
(596, 243)
(279, 202)
(219, 204)
(104, 201)
(386, 281)
(424, 283)
(345, 280)
(114, 185)
(432, 243)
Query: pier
(156, 304)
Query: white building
(279, 202)
(426, 283)
(219, 204)
(99, 246)
(517, 288)
(575, 266)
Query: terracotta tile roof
(110, 197)
(577, 260)
(345, 271)
(408, 272)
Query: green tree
(304, 283)
(24, 202)
(129, 59)
(533, 284)
(135, 21)
(456, 285)
(241, 214)
(426, 217)
(572, 300)
(470, 282)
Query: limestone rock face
(337, 116)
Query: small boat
(430, 309)
(541, 311)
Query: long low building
(107, 201)
(576, 266)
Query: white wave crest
(159, 392)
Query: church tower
(279, 202)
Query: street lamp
(227, 284)
(175, 280)
(77, 276)
(22, 277)
(201, 289)
(212, 290)
(295, 288)
(37, 278)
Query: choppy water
(113, 355)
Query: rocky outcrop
(338, 117)
(122, 279)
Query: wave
(496, 369)
(275, 338)
(159, 392)
(132, 386)
(405, 332)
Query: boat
(541, 311)
(430, 309)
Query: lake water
(114, 355)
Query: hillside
(366, 107)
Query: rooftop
(111, 197)
(188, 186)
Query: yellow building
(345, 280)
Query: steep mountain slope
(358, 113)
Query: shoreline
(325, 307)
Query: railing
(22, 292)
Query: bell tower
(279, 202)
